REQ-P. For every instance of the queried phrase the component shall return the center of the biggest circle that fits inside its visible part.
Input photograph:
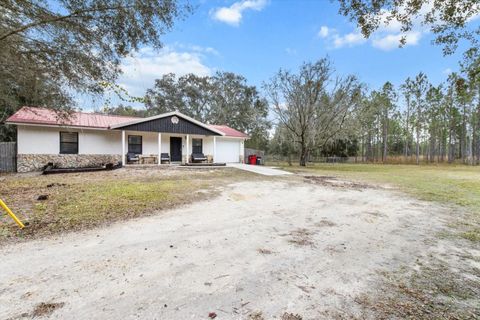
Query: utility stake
(10, 213)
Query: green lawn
(449, 184)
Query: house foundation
(36, 162)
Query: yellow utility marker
(10, 213)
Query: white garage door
(228, 150)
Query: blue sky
(255, 38)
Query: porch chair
(132, 158)
(198, 157)
(164, 157)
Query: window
(197, 146)
(135, 144)
(69, 142)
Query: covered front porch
(167, 138)
(142, 147)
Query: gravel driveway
(263, 170)
(258, 250)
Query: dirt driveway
(259, 251)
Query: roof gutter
(36, 124)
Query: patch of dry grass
(290, 316)
(45, 309)
(435, 291)
(302, 237)
(264, 251)
(325, 223)
(473, 234)
(257, 315)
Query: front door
(176, 148)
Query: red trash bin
(252, 159)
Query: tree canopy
(312, 104)
(446, 19)
(223, 98)
(80, 43)
(50, 49)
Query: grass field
(448, 184)
(86, 200)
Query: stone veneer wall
(35, 162)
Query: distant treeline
(415, 122)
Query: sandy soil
(261, 247)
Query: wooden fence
(8, 156)
(279, 159)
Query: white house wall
(37, 140)
(149, 142)
(207, 144)
(165, 143)
(46, 140)
(99, 142)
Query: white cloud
(324, 31)
(387, 37)
(233, 15)
(392, 41)
(389, 33)
(141, 70)
(447, 71)
(336, 40)
(199, 49)
(349, 40)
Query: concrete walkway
(266, 171)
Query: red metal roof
(229, 132)
(35, 115)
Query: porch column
(214, 148)
(186, 147)
(123, 147)
(159, 161)
(242, 152)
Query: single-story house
(90, 139)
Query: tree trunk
(450, 145)
(407, 133)
(417, 151)
(369, 147)
(440, 150)
(475, 141)
(362, 149)
(303, 155)
(463, 137)
(385, 140)
(378, 149)
(433, 144)
(477, 135)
